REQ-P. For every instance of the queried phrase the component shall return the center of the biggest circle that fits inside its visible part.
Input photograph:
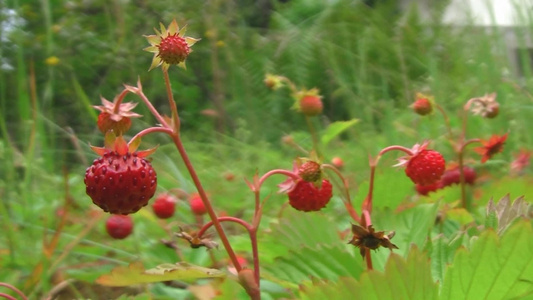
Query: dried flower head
(485, 106)
(273, 82)
(115, 115)
(195, 241)
(170, 46)
(490, 147)
(368, 238)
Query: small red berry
(305, 196)
(424, 190)
(310, 171)
(119, 226)
(337, 162)
(425, 167)
(120, 184)
(164, 206)
(453, 176)
(173, 49)
(422, 106)
(197, 205)
(311, 105)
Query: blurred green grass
(367, 62)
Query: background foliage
(58, 57)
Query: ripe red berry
(119, 226)
(164, 206)
(173, 49)
(453, 176)
(311, 105)
(305, 196)
(422, 106)
(424, 190)
(337, 162)
(425, 167)
(120, 184)
(197, 205)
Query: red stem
(13, 288)
(152, 130)
(171, 102)
(347, 199)
(119, 100)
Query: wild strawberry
(115, 115)
(423, 166)
(424, 190)
(197, 205)
(170, 46)
(121, 181)
(305, 196)
(426, 167)
(453, 176)
(119, 226)
(422, 106)
(311, 105)
(337, 162)
(310, 171)
(164, 206)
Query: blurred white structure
(506, 15)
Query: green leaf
(135, 274)
(495, 268)
(460, 215)
(336, 128)
(398, 188)
(442, 253)
(402, 279)
(320, 262)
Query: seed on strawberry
(119, 226)
(164, 206)
(121, 181)
(305, 196)
(425, 167)
(453, 176)
(197, 205)
(311, 105)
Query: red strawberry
(119, 226)
(173, 49)
(452, 176)
(422, 106)
(305, 196)
(120, 181)
(425, 167)
(337, 162)
(424, 190)
(311, 105)
(164, 206)
(197, 205)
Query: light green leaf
(442, 253)
(402, 279)
(336, 128)
(398, 188)
(136, 274)
(495, 268)
(318, 262)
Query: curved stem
(391, 148)
(152, 109)
(119, 99)
(11, 287)
(208, 225)
(205, 200)
(347, 199)
(276, 171)
(8, 297)
(171, 102)
(465, 203)
(152, 130)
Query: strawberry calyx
(113, 143)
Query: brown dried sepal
(368, 238)
(195, 241)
